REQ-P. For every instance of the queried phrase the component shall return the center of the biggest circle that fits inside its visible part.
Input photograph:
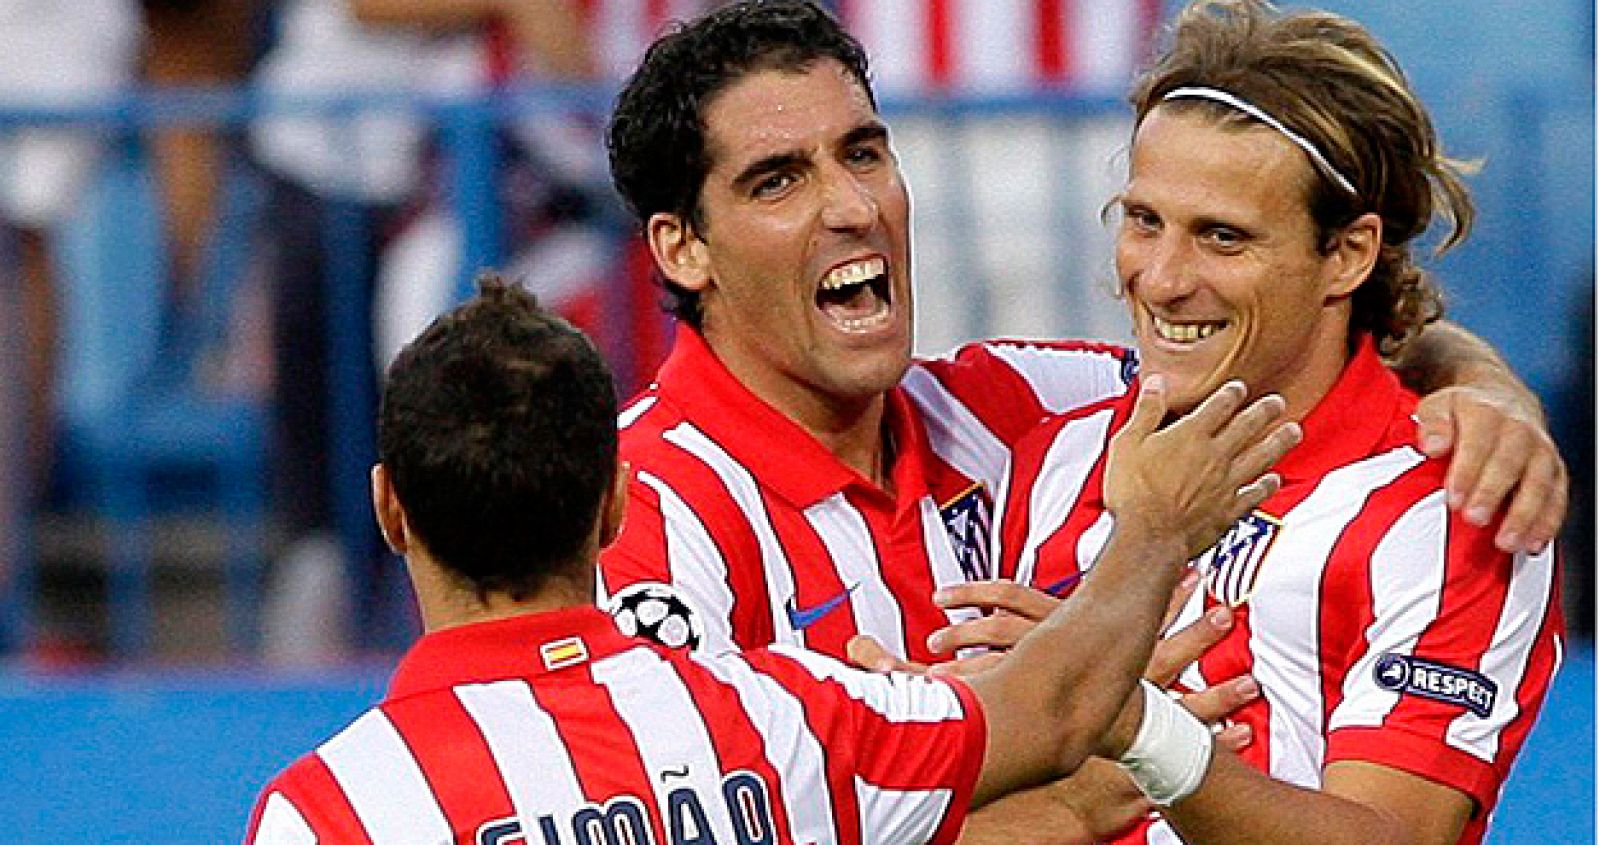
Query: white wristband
(1171, 751)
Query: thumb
(1150, 408)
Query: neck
(447, 601)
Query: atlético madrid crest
(1230, 568)
(966, 519)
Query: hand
(1196, 476)
(1499, 443)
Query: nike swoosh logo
(801, 619)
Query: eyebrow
(874, 131)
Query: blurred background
(220, 218)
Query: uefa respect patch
(1409, 675)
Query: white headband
(1299, 140)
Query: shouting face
(800, 248)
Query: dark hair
(1329, 80)
(657, 138)
(498, 428)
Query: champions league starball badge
(654, 611)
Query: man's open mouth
(855, 295)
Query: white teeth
(1185, 332)
(853, 273)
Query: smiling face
(1216, 251)
(801, 255)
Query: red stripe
(816, 578)
(454, 758)
(1049, 41)
(941, 61)
(604, 757)
(311, 787)
(734, 734)
(829, 715)
(995, 392)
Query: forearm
(1238, 805)
(1074, 674)
(1447, 355)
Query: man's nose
(847, 203)
(1164, 270)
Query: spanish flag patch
(559, 654)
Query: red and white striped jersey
(1381, 627)
(771, 538)
(554, 728)
(1002, 46)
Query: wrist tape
(1171, 751)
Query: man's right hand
(1198, 474)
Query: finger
(1235, 737)
(1508, 459)
(1474, 441)
(1253, 494)
(1218, 409)
(1178, 651)
(991, 631)
(1216, 703)
(1260, 457)
(1247, 425)
(1149, 407)
(967, 666)
(1011, 596)
(1537, 510)
(1180, 596)
(1436, 431)
(867, 653)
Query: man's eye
(864, 155)
(772, 185)
(1224, 238)
(1142, 219)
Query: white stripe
(1285, 610)
(282, 824)
(1161, 833)
(1064, 379)
(900, 815)
(385, 785)
(1506, 660)
(894, 35)
(955, 434)
(698, 572)
(845, 533)
(1105, 44)
(992, 45)
(897, 697)
(632, 413)
(668, 729)
(790, 747)
(533, 760)
(1093, 540)
(1073, 453)
(742, 487)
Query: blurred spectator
(194, 44)
(339, 179)
(52, 54)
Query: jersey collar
(1351, 420)
(776, 449)
(516, 647)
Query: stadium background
(110, 742)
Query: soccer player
(1281, 168)
(797, 477)
(523, 715)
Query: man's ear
(391, 516)
(1355, 253)
(614, 506)
(679, 251)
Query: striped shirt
(553, 728)
(770, 538)
(1381, 627)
